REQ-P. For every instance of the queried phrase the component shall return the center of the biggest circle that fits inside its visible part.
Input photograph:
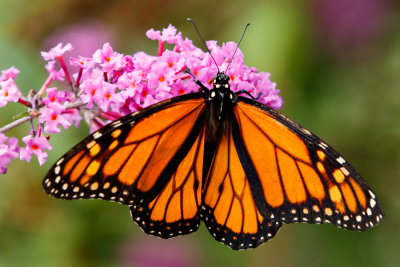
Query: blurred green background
(337, 64)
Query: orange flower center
(93, 92)
(108, 96)
(54, 117)
(108, 59)
(53, 99)
(170, 64)
(161, 79)
(181, 91)
(233, 77)
(133, 84)
(5, 94)
(34, 146)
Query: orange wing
(149, 160)
(174, 211)
(295, 176)
(228, 209)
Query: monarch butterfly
(239, 166)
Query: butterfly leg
(247, 93)
(205, 89)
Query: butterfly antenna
(194, 24)
(244, 31)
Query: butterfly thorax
(221, 101)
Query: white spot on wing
(369, 212)
(116, 123)
(371, 194)
(322, 145)
(372, 202)
(344, 171)
(97, 135)
(340, 160)
(57, 170)
(60, 161)
(306, 131)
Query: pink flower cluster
(7, 151)
(110, 85)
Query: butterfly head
(221, 82)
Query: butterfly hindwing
(302, 179)
(175, 209)
(228, 207)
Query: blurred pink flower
(149, 251)
(56, 51)
(108, 59)
(56, 97)
(86, 37)
(55, 74)
(83, 62)
(91, 91)
(9, 73)
(35, 145)
(7, 151)
(9, 92)
(350, 27)
(167, 35)
(53, 117)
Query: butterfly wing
(149, 160)
(175, 209)
(295, 176)
(229, 209)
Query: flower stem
(73, 105)
(44, 87)
(33, 115)
(64, 67)
(14, 124)
(24, 102)
(78, 80)
(160, 48)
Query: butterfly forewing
(126, 161)
(301, 177)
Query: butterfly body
(239, 166)
(220, 102)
